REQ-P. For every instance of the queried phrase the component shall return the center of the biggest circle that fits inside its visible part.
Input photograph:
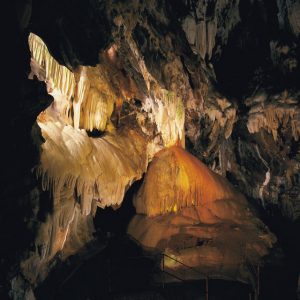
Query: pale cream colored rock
(222, 114)
(87, 90)
(57, 76)
(270, 114)
(100, 169)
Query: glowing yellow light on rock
(176, 179)
(175, 208)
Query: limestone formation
(190, 213)
(197, 99)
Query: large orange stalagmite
(197, 218)
(176, 179)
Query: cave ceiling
(199, 100)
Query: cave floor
(120, 270)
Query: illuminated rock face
(82, 172)
(86, 93)
(145, 76)
(97, 169)
(195, 216)
(176, 179)
(271, 114)
(65, 231)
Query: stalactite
(81, 93)
(96, 110)
(270, 115)
(100, 169)
(202, 26)
(223, 113)
(57, 75)
(87, 90)
(166, 111)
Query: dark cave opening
(115, 221)
(245, 64)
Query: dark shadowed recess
(120, 269)
(22, 101)
(245, 62)
(115, 267)
(74, 30)
(111, 221)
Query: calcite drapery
(176, 179)
(84, 98)
(99, 169)
(83, 172)
(273, 112)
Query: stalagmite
(197, 219)
(176, 179)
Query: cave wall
(235, 64)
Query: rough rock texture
(208, 22)
(192, 243)
(268, 135)
(175, 179)
(232, 66)
(189, 212)
(90, 155)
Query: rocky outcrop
(209, 22)
(268, 133)
(190, 213)
(129, 79)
